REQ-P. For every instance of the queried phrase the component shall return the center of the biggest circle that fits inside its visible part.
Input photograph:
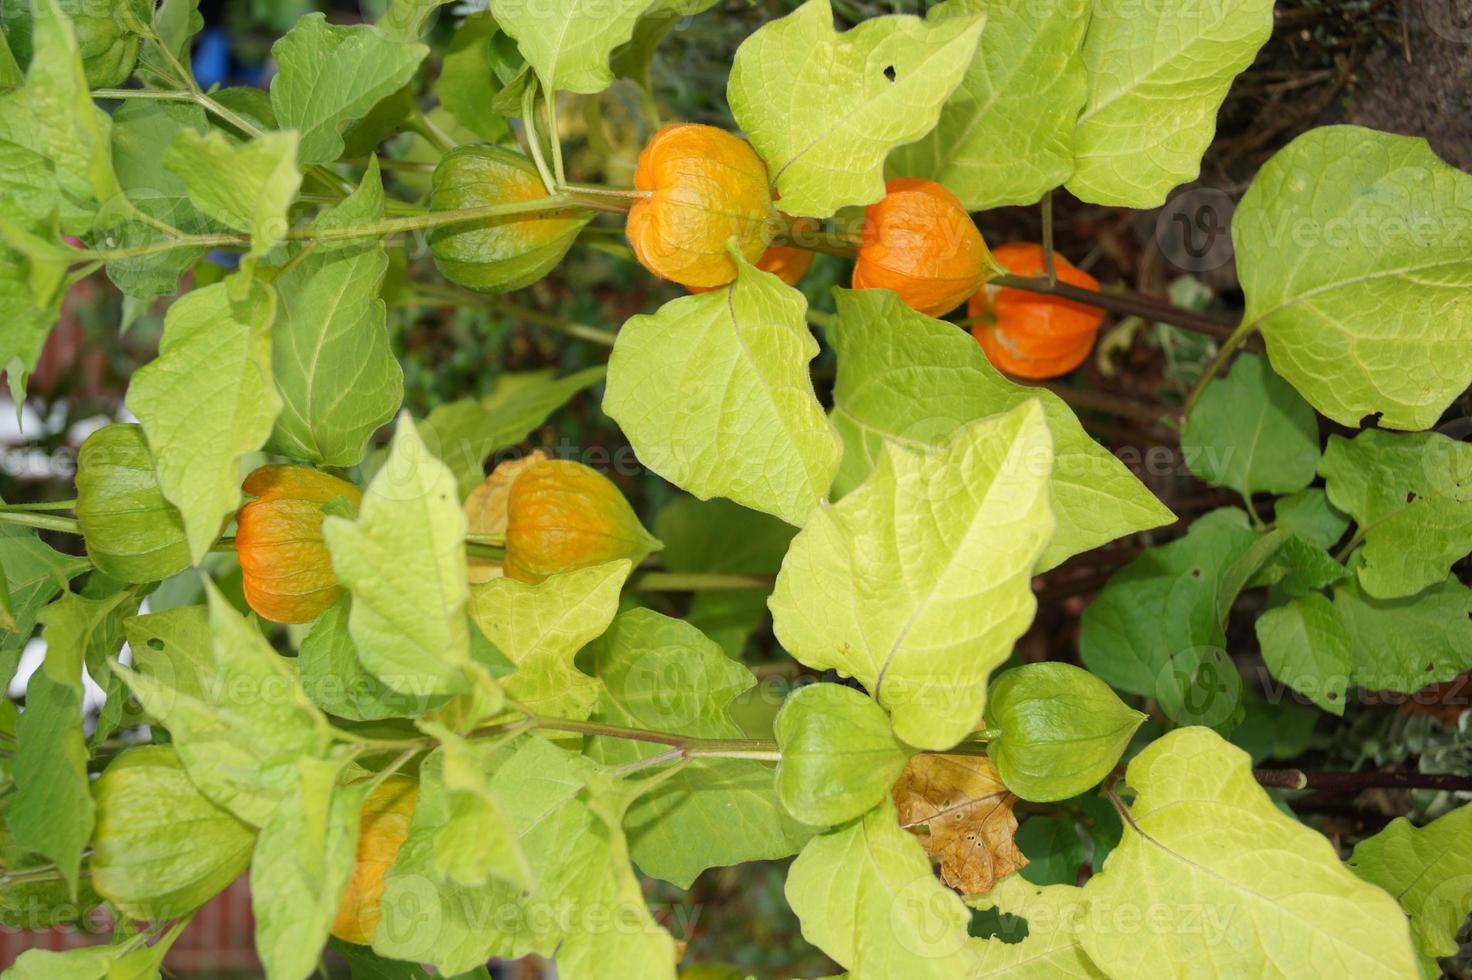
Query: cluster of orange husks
(554, 515)
(708, 191)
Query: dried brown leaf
(960, 810)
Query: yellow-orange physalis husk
(920, 242)
(286, 567)
(705, 187)
(485, 509)
(562, 515)
(382, 829)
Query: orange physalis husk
(562, 515)
(1032, 335)
(920, 242)
(382, 830)
(706, 187)
(284, 562)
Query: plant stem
(534, 142)
(1349, 782)
(474, 549)
(1229, 346)
(46, 522)
(1129, 304)
(763, 749)
(697, 582)
(554, 136)
(1104, 401)
(465, 297)
(44, 505)
(1048, 266)
(841, 244)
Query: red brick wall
(219, 940)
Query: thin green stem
(474, 549)
(1229, 346)
(494, 540)
(142, 93)
(1354, 542)
(819, 318)
(841, 244)
(554, 136)
(533, 141)
(424, 126)
(43, 505)
(629, 193)
(46, 522)
(1127, 304)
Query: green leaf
(336, 680)
(1202, 835)
(714, 394)
(1412, 498)
(105, 35)
(23, 325)
(1166, 605)
(463, 433)
(139, 128)
(174, 648)
(477, 842)
(540, 628)
(1429, 871)
(1252, 432)
(330, 76)
(1157, 77)
(1407, 643)
(1305, 645)
(662, 674)
(162, 849)
(469, 73)
(1053, 848)
(1359, 287)
(1005, 136)
(909, 380)
(303, 858)
(566, 820)
(1300, 568)
(918, 583)
(241, 739)
(207, 401)
(245, 186)
(132, 533)
(568, 43)
(823, 108)
(338, 379)
(1062, 730)
(129, 959)
(52, 813)
(839, 755)
(497, 254)
(404, 562)
(34, 572)
(720, 536)
(1055, 916)
(867, 897)
(406, 20)
(1308, 514)
(73, 131)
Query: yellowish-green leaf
(824, 109)
(568, 42)
(207, 401)
(1355, 253)
(541, 628)
(244, 186)
(1005, 136)
(251, 722)
(714, 394)
(1157, 75)
(918, 583)
(1203, 837)
(403, 559)
(867, 897)
(1051, 947)
(909, 380)
(1429, 870)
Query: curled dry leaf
(960, 810)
